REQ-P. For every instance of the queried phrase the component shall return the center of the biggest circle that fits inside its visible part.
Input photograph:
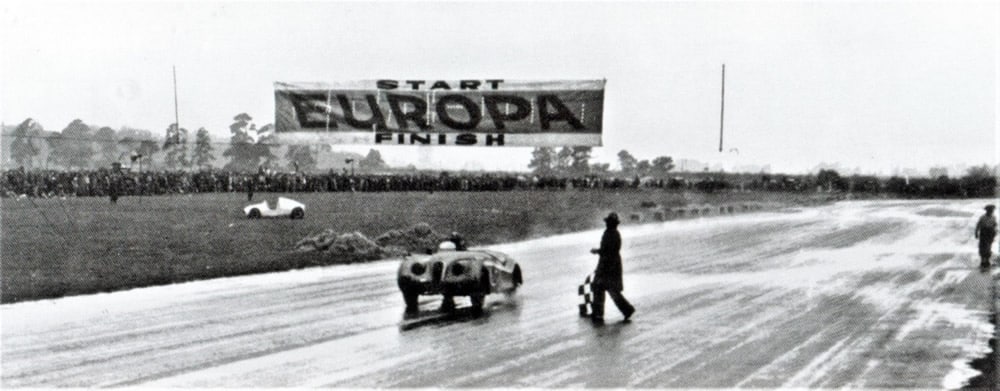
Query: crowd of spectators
(103, 182)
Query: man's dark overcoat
(609, 262)
(986, 231)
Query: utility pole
(722, 113)
(177, 121)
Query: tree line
(80, 146)
(978, 182)
(575, 161)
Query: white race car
(286, 207)
(473, 273)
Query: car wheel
(254, 214)
(518, 278)
(477, 303)
(410, 298)
(480, 297)
(297, 213)
(448, 304)
(485, 285)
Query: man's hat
(612, 218)
(990, 207)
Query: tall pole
(722, 113)
(177, 121)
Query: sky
(870, 85)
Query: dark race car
(473, 273)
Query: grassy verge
(58, 247)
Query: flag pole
(722, 113)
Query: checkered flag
(586, 297)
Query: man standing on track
(986, 230)
(608, 276)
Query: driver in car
(459, 241)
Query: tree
(564, 159)
(627, 162)
(138, 143)
(202, 154)
(55, 143)
(661, 166)
(979, 181)
(831, 180)
(247, 146)
(542, 159)
(73, 148)
(600, 169)
(239, 153)
(373, 161)
(580, 160)
(980, 172)
(945, 187)
(262, 147)
(866, 184)
(146, 150)
(107, 146)
(175, 143)
(643, 167)
(23, 149)
(937, 172)
(300, 158)
(134, 134)
(897, 186)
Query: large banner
(490, 112)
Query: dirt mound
(355, 246)
(317, 242)
(418, 239)
(350, 247)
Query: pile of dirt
(355, 246)
(347, 247)
(417, 239)
(320, 241)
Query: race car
(473, 273)
(286, 207)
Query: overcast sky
(869, 85)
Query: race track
(857, 294)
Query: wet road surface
(857, 294)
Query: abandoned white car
(286, 207)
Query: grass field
(58, 247)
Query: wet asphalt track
(856, 294)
